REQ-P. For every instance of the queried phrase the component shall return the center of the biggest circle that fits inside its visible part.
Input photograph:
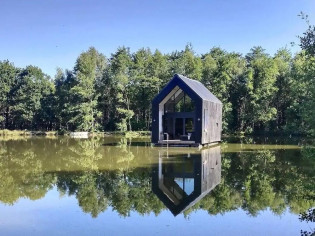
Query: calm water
(114, 186)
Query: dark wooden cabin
(182, 179)
(185, 112)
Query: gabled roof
(190, 86)
(199, 89)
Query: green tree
(64, 81)
(120, 65)
(158, 68)
(259, 90)
(145, 86)
(307, 43)
(186, 63)
(88, 71)
(221, 70)
(8, 75)
(307, 40)
(283, 98)
(30, 88)
(300, 114)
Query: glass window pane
(189, 125)
(179, 102)
(179, 107)
(189, 104)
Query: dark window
(179, 102)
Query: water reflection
(120, 176)
(183, 178)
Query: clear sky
(52, 33)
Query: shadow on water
(182, 179)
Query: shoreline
(26, 133)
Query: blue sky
(52, 33)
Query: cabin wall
(198, 121)
(155, 123)
(211, 122)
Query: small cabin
(186, 113)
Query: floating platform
(177, 143)
(184, 143)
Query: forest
(261, 93)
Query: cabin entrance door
(179, 127)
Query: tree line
(260, 93)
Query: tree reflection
(308, 216)
(119, 177)
(21, 173)
(86, 187)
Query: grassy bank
(12, 133)
(17, 133)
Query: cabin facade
(185, 112)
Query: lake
(117, 186)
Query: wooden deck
(177, 142)
(184, 143)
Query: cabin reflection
(181, 179)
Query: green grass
(17, 133)
(6, 132)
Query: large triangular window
(179, 102)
